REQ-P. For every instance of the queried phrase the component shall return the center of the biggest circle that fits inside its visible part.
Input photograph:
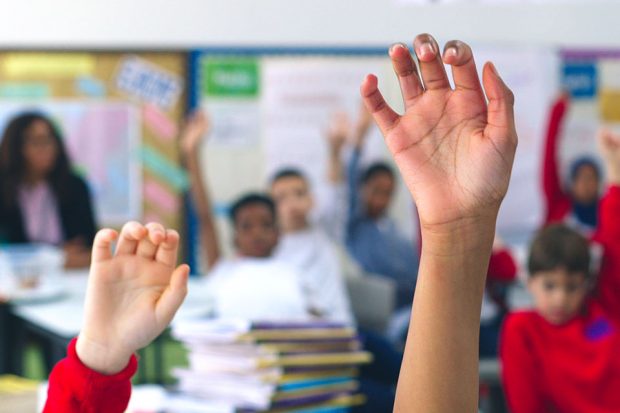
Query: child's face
(293, 202)
(377, 194)
(558, 295)
(585, 185)
(39, 150)
(256, 234)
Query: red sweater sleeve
(608, 235)
(519, 372)
(74, 388)
(557, 201)
(502, 266)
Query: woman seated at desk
(41, 199)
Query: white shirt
(316, 258)
(257, 289)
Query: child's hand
(195, 129)
(454, 150)
(338, 132)
(609, 144)
(132, 295)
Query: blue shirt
(377, 244)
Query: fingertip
(369, 84)
(182, 278)
(134, 229)
(157, 233)
(398, 50)
(111, 234)
(106, 235)
(172, 236)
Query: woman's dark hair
(375, 169)
(559, 247)
(251, 198)
(13, 164)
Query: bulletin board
(119, 114)
(592, 78)
(271, 107)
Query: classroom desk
(58, 321)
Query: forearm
(440, 366)
(551, 176)
(352, 180)
(334, 168)
(202, 202)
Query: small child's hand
(195, 129)
(454, 150)
(609, 144)
(338, 132)
(132, 294)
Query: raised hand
(609, 144)
(338, 132)
(132, 294)
(454, 150)
(194, 131)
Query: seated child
(133, 295)
(280, 288)
(563, 356)
(372, 237)
(308, 247)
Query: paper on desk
(152, 398)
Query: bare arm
(336, 137)
(455, 153)
(191, 138)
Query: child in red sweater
(578, 205)
(454, 148)
(563, 356)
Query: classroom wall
(186, 23)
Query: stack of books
(245, 366)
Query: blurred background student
(576, 203)
(373, 238)
(41, 199)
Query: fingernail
(427, 48)
(451, 51)
(397, 45)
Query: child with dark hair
(563, 356)
(372, 237)
(577, 205)
(253, 284)
(41, 198)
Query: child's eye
(548, 286)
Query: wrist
(102, 358)
(613, 176)
(461, 237)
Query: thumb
(500, 110)
(173, 295)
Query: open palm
(134, 293)
(454, 150)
